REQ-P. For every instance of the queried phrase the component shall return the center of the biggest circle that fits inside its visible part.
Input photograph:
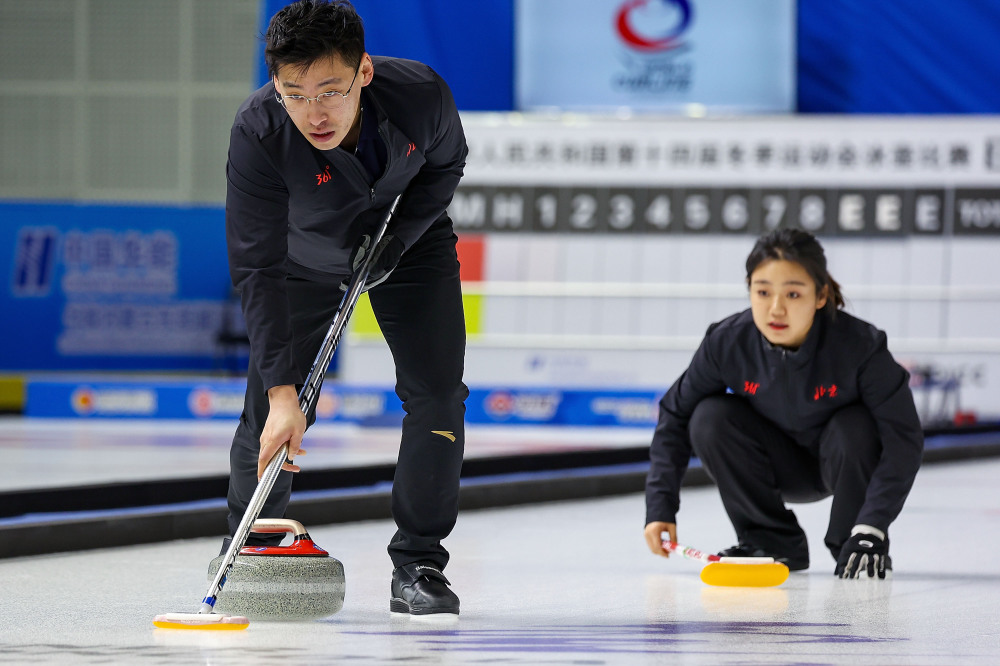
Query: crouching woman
(792, 400)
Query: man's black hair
(307, 31)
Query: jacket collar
(807, 350)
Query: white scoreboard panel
(583, 209)
(829, 175)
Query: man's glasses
(331, 101)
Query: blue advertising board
(201, 398)
(367, 406)
(108, 287)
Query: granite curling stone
(295, 582)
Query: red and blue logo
(653, 26)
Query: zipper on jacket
(786, 389)
(388, 163)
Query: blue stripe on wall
(470, 44)
(899, 56)
(855, 56)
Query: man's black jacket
(842, 362)
(292, 209)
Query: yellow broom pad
(748, 574)
(201, 621)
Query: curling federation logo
(654, 33)
(653, 26)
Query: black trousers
(419, 309)
(758, 467)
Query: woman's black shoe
(794, 563)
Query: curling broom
(734, 571)
(206, 618)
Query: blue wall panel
(854, 56)
(899, 56)
(470, 44)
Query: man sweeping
(316, 157)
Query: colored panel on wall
(473, 305)
(471, 248)
(364, 325)
(363, 322)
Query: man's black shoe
(421, 589)
(794, 563)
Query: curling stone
(295, 582)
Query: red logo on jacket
(825, 392)
(323, 176)
(751, 387)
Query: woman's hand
(655, 535)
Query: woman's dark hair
(802, 248)
(310, 30)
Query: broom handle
(243, 531)
(310, 390)
(691, 553)
(307, 401)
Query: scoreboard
(831, 176)
(707, 209)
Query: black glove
(387, 255)
(865, 555)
